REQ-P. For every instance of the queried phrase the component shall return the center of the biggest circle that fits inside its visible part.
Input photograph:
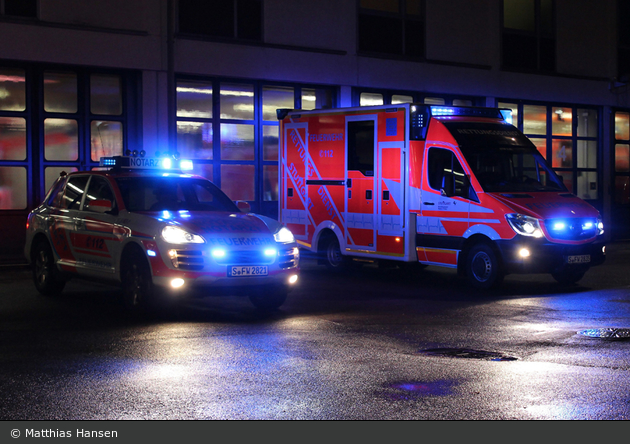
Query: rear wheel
(483, 269)
(137, 286)
(568, 277)
(45, 274)
(268, 299)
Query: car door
(94, 240)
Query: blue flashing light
(558, 226)
(442, 111)
(270, 252)
(167, 163)
(507, 116)
(186, 165)
(151, 253)
(218, 253)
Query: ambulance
(455, 187)
(144, 224)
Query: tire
(483, 268)
(568, 276)
(137, 285)
(333, 258)
(268, 299)
(46, 277)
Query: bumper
(547, 257)
(223, 285)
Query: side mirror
(244, 206)
(99, 205)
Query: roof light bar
(152, 163)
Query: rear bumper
(547, 257)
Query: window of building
(19, 8)
(54, 120)
(386, 97)
(231, 131)
(528, 37)
(568, 138)
(228, 19)
(392, 27)
(622, 158)
(623, 40)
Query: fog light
(293, 279)
(523, 252)
(177, 283)
(604, 250)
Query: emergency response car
(457, 187)
(156, 231)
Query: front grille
(573, 229)
(190, 260)
(245, 257)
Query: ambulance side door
(446, 195)
(360, 214)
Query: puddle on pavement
(610, 333)
(468, 353)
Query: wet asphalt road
(373, 344)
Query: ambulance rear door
(295, 164)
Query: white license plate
(579, 259)
(247, 270)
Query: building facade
(203, 78)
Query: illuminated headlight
(524, 225)
(284, 236)
(600, 227)
(176, 235)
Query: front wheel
(568, 277)
(137, 285)
(45, 274)
(333, 258)
(268, 299)
(482, 267)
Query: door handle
(428, 203)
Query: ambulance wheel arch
(480, 262)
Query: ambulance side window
(447, 175)
(361, 146)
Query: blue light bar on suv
(151, 163)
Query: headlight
(284, 236)
(600, 227)
(524, 225)
(176, 235)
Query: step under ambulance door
(295, 214)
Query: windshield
(503, 159)
(173, 194)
